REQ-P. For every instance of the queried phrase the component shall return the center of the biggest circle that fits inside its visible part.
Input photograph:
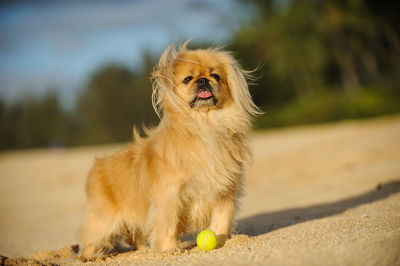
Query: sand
(316, 195)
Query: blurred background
(77, 72)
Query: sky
(56, 45)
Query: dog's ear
(163, 97)
(162, 77)
(237, 83)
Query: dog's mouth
(204, 96)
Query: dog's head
(199, 81)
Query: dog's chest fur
(212, 165)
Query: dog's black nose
(202, 81)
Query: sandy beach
(316, 195)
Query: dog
(187, 173)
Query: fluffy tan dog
(187, 174)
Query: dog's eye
(215, 76)
(187, 79)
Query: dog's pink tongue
(204, 94)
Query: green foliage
(319, 59)
(311, 46)
(33, 122)
(328, 106)
(114, 100)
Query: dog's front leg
(162, 220)
(222, 218)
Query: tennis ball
(207, 240)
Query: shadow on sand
(266, 222)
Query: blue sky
(48, 45)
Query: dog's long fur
(187, 174)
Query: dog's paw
(221, 240)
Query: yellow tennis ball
(207, 240)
